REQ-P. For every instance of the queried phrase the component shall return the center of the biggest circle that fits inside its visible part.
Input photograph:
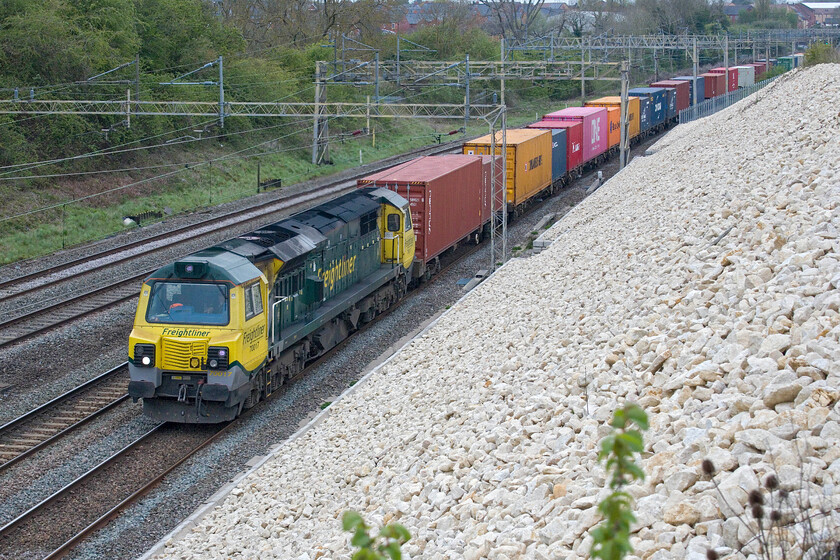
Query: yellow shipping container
(632, 110)
(528, 161)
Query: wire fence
(715, 104)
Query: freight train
(220, 329)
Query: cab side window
(253, 301)
(257, 296)
(407, 220)
(393, 222)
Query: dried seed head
(711, 555)
(757, 511)
(708, 467)
(771, 482)
(756, 498)
(783, 494)
(775, 516)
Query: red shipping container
(760, 68)
(574, 140)
(596, 128)
(715, 84)
(447, 198)
(733, 76)
(683, 91)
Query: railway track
(27, 319)
(58, 523)
(51, 421)
(53, 526)
(53, 275)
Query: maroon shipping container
(733, 76)
(760, 68)
(715, 84)
(683, 91)
(574, 140)
(447, 197)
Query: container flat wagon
(694, 84)
(528, 171)
(658, 104)
(715, 84)
(595, 129)
(632, 111)
(447, 199)
(574, 141)
(729, 73)
(683, 92)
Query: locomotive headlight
(144, 355)
(217, 357)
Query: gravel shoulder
(68, 356)
(702, 282)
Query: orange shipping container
(614, 119)
(632, 111)
(528, 169)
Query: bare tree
(267, 23)
(514, 18)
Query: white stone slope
(481, 438)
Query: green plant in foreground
(383, 546)
(611, 539)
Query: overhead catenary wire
(150, 179)
(130, 169)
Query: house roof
(828, 6)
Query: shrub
(611, 539)
(382, 546)
(820, 53)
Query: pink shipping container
(447, 196)
(596, 128)
(733, 76)
(574, 140)
(683, 91)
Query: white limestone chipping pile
(701, 282)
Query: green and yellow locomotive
(219, 330)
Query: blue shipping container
(658, 102)
(644, 114)
(700, 82)
(672, 103)
(558, 154)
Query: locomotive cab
(199, 333)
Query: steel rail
(261, 208)
(136, 495)
(33, 415)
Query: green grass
(325, 404)
(45, 231)
(48, 230)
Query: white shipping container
(746, 75)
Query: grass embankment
(56, 221)
(198, 180)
